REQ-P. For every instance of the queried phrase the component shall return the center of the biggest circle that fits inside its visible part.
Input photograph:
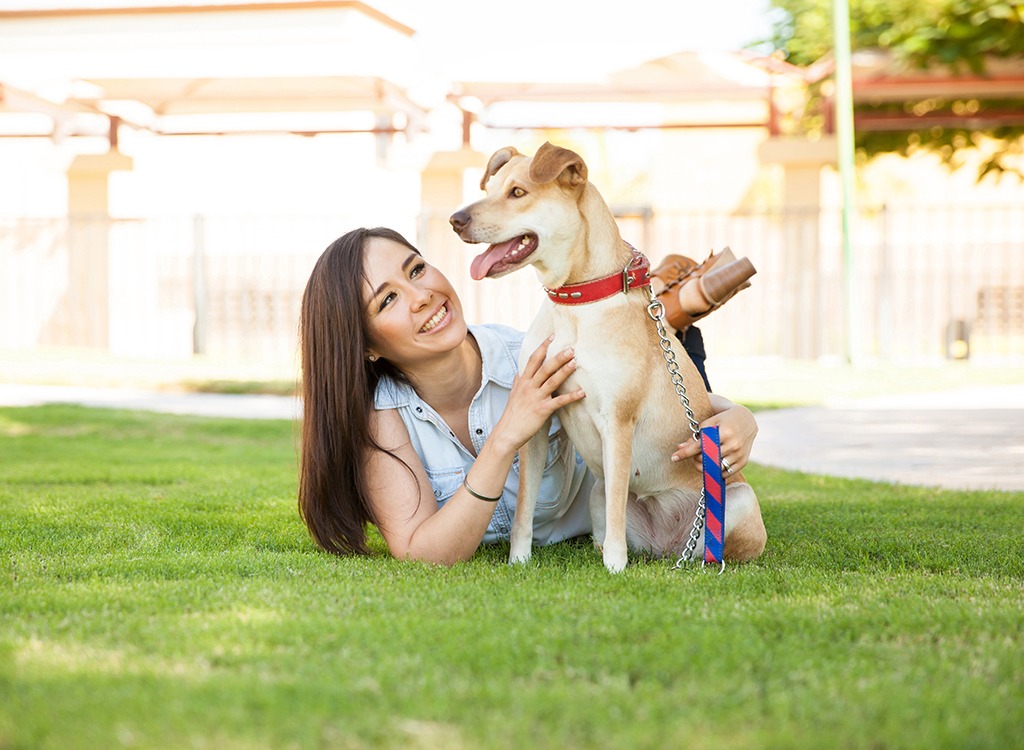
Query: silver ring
(725, 465)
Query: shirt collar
(500, 364)
(498, 353)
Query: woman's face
(413, 313)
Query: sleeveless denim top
(562, 506)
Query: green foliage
(157, 590)
(957, 35)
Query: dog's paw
(520, 553)
(615, 560)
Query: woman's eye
(386, 301)
(417, 270)
(517, 192)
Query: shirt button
(479, 431)
(419, 409)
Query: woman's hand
(532, 399)
(737, 430)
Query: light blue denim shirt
(562, 506)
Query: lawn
(158, 590)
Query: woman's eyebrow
(405, 264)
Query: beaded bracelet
(477, 495)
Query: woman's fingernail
(675, 457)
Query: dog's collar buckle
(637, 273)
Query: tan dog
(543, 212)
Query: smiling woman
(413, 418)
(403, 401)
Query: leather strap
(635, 275)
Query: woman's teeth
(438, 317)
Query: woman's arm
(737, 427)
(403, 500)
(412, 525)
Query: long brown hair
(338, 383)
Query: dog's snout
(459, 220)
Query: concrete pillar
(804, 306)
(83, 316)
(442, 187)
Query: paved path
(170, 402)
(965, 439)
(971, 438)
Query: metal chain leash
(657, 312)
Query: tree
(962, 37)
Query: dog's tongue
(483, 263)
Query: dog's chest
(621, 368)
(616, 364)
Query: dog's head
(530, 215)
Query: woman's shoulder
(498, 336)
(391, 394)
(499, 348)
(499, 331)
(387, 429)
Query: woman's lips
(437, 320)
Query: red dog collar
(637, 273)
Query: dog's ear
(499, 159)
(554, 162)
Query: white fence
(166, 288)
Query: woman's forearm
(455, 531)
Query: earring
(372, 357)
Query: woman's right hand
(532, 399)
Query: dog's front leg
(597, 511)
(532, 458)
(618, 454)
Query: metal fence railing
(162, 287)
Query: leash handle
(714, 497)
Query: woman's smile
(438, 320)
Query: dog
(542, 211)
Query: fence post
(86, 309)
(885, 308)
(199, 296)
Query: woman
(413, 420)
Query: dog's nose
(459, 220)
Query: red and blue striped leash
(714, 497)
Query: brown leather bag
(714, 281)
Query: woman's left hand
(737, 430)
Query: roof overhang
(876, 77)
(732, 88)
(177, 69)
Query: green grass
(157, 590)
(243, 387)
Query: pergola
(203, 69)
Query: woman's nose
(421, 297)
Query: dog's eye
(516, 192)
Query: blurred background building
(170, 173)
